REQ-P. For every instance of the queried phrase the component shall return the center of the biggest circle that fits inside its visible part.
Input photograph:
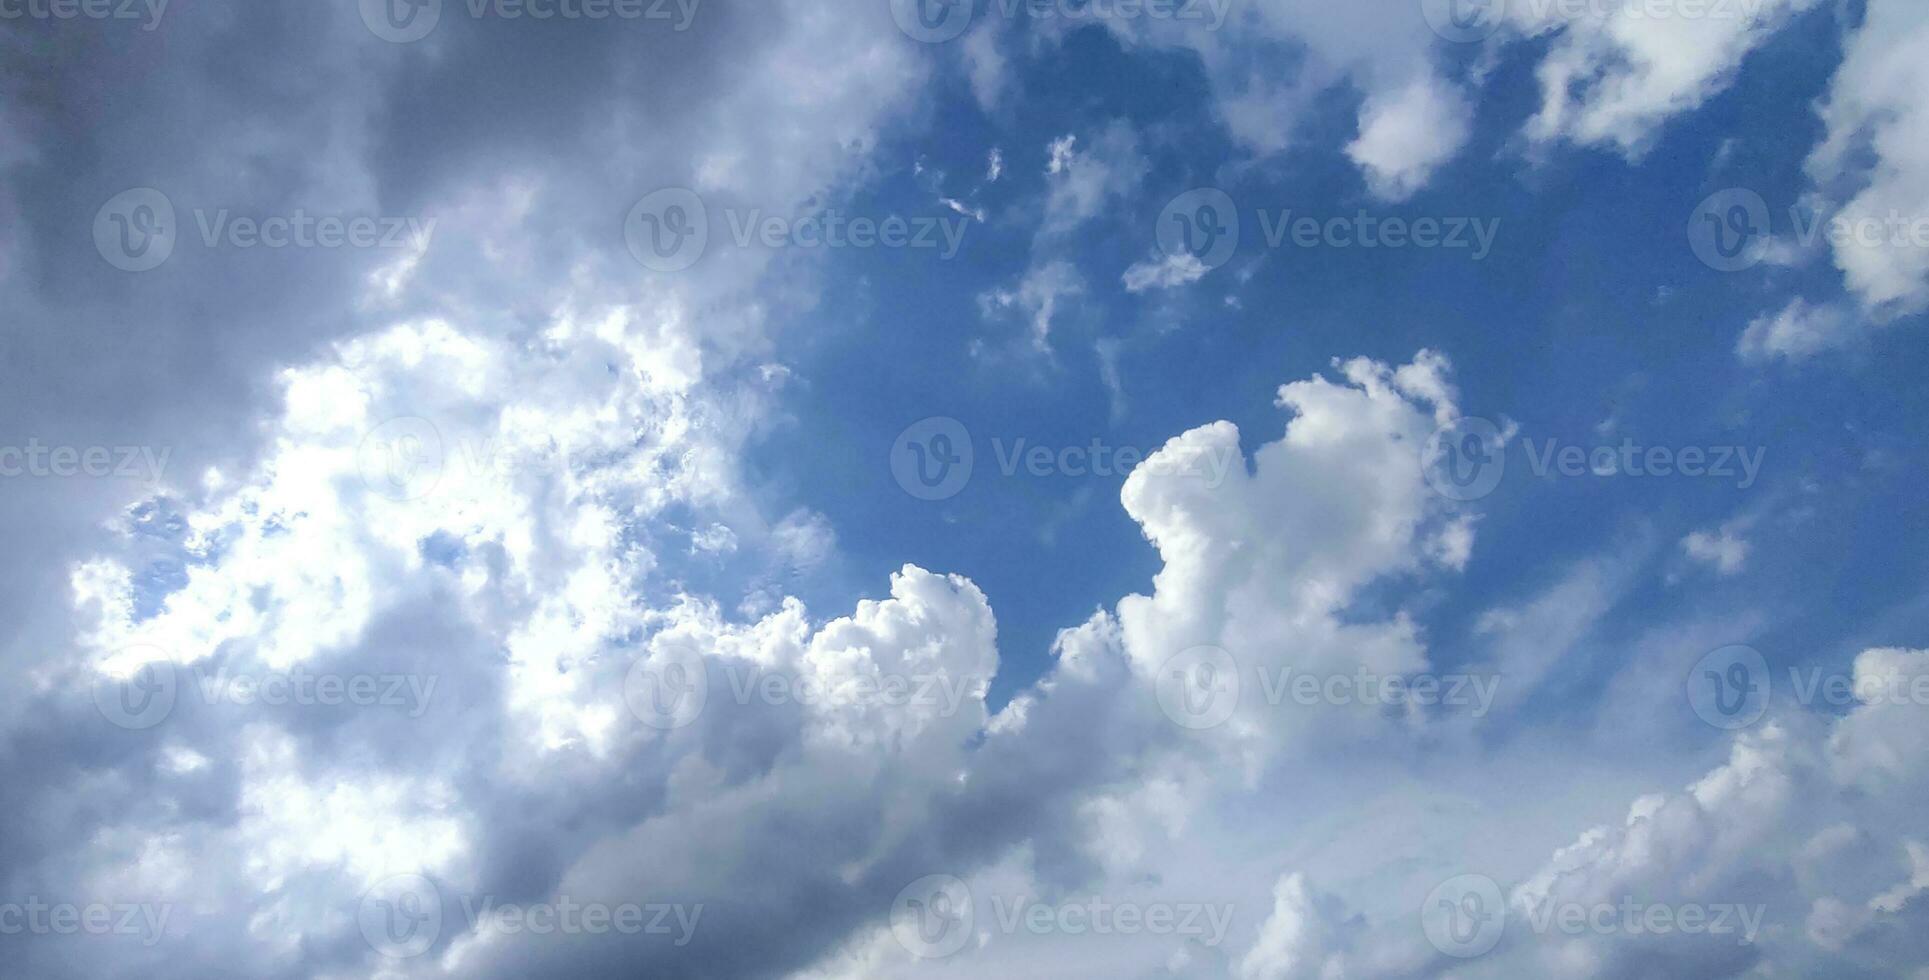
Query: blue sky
(1590, 308)
(796, 490)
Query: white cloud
(1874, 115)
(1799, 331)
(1407, 134)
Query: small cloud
(1173, 270)
(1723, 549)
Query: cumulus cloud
(1874, 152)
(1406, 135)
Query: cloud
(1406, 135)
(1613, 75)
(1878, 136)
(1799, 331)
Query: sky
(1250, 489)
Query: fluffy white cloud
(1877, 154)
(1406, 134)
